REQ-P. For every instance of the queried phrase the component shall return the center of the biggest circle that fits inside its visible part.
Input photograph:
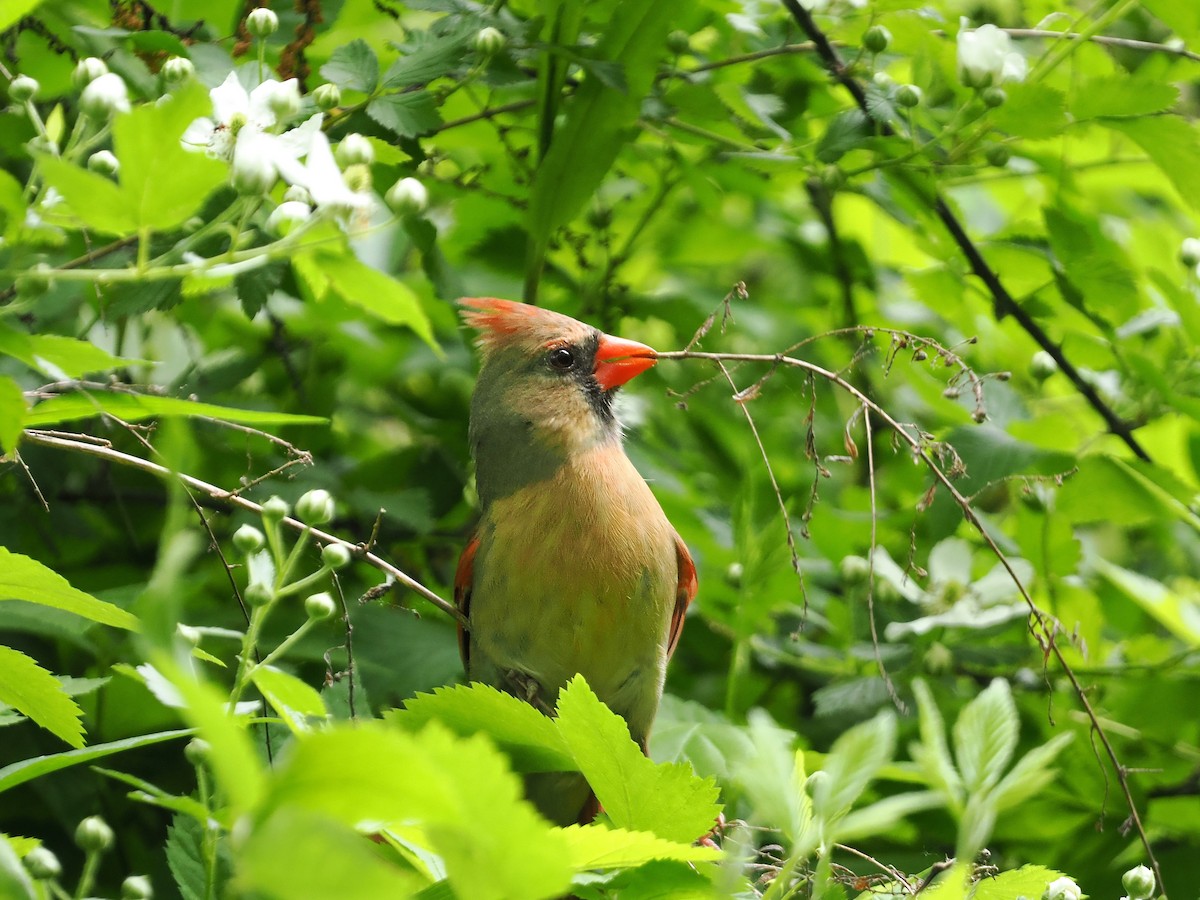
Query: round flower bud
(1189, 252)
(177, 70)
(105, 97)
(88, 70)
(1062, 889)
(327, 97)
(407, 197)
(315, 507)
(1139, 883)
(358, 178)
(832, 177)
(909, 95)
(252, 173)
(883, 80)
(997, 155)
(490, 41)
(42, 865)
(299, 194)
(136, 887)
(1042, 365)
(994, 96)
(275, 509)
(679, 42)
(259, 594)
(104, 162)
(319, 606)
(287, 216)
(22, 88)
(188, 633)
(93, 835)
(355, 149)
(197, 751)
(262, 23)
(284, 99)
(876, 39)
(854, 569)
(248, 539)
(734, 574)
(335, 556)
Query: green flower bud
(876, 39)
(259, 594)
(105, 97)
(197, 751)
(1062, 889)
(854, 569)
(833, 177)
(287, 216)
(262, 23)
(1139, 883)
(88, 70)
(22, 88)
(997, 155)
(407, 197)
(358, 178)
(248, 539)
(327, 97)
(909, 95)
(734, 573)
(335, 556)
(319, 606)
(42, 865)
(284, 99)
(490, 41)
(188, 633)
(1189, 252)
(275, 509)
(137, 887)
(1042, 365)
(679, 42)
(355, 149)
(93, 835)
(177, 70)
(104, 162)
(299, 194)
(994, 96)
(315, 507)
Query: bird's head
(547, 375)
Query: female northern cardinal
(574, 568)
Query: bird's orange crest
(500, 321)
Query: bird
(573, 567)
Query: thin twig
(883, 672)
(1126, 43)
(886, 869)
(1004, 304)
(228, 497)
(1044, 621)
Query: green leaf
(1182, 18)
(294, 700)
(408, 114)
(384, 297)
(432, 59)
(34, 692)
(128, 298)
(95, 199)
(12, 203)
(1031, 773)
(151, 794)
(185, 857)
(1027, 881)
(1095, 265)
(15, 883)
(27, 769)
(637, 794)
(12, 414)
(853, 761)
(597, 117)
(932, 754)
(1173, 145)
(1177, 613)
(353, 66)
(1032, 110)
(14, 10)
(598, 847)
(1120, 95)
(847, 131)
(56, 355)
(529, 738)
(23, 578)
(985, 736)
(136, 407)
(885, 814)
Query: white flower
(986, 56)
(1062, 889)
(286, 216)
(323, 180)
(254, 170)
(284, 99)
(88, 70)
(235, 109)
(355, 149)
(105, 96)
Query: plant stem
(286, 644)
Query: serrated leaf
(529, 738)
(985, 736)
(35, 693)
(1094, 263)
(185, 857)
(1032, 110)
(1172, 144)
(27, 769)
(1027, 881)
(295, 701)
(408, 114)
(12, 204)
(57, 355)
(773, 777)
(255, 287)
(884, 814)
(353, 66)
(384, 297)
(15, 883)
(137, 407)
(598, 847)
(1120, 95)
(434, 58)
(933, 753)
(1031, 773)
(151, 794)
(128, 298)
(853, 761)
(666, 799)
(24, 578)
(12, 414)
(847, 131)
(95, 199)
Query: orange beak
(619, 360)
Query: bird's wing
(464, 577)
(685, 592)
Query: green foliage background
(638, 165)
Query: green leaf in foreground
(1174, 146)
(667, 799)
(12, 414)
(295, 700)
(136, 407)
(598, 847)
(37, 766)
(24, 578)
(529, 738)
(34, 692)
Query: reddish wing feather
(685, 592)
(464, 576)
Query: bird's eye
(561, 358)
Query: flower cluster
(986, 57)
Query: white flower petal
(198, 135)
(229, 99)
(258, 106)
(297, 141)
